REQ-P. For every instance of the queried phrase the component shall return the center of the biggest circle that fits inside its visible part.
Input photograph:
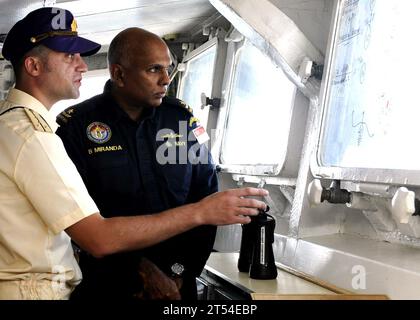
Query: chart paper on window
(372, 103)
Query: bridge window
(371, 99)
(260, 108)
(198, 79)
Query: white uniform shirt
(41, 194)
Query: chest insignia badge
(98, 132)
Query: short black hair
(38, 51)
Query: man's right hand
(230, 206)
(103, 236)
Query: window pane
(372, 103)
(198, 79)
(259, 112)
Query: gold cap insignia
(74, 25)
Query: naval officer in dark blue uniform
(140, 151)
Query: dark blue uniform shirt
(117, 159)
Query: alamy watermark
(59, 20)
(183, 147)
(358, 281)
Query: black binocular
(256, 253)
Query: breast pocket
(178, 180)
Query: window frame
(271, 171)
(193, 54)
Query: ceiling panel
(179, 16)
(14, 10)
(102, 20)
(83, 7)
(160, 29)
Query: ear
(32, 66)
(117, 74)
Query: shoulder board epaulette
(10, 109)
(37, 120)
(186, 106)
(65, 116)
(179, 103)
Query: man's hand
(156, 284)
(103, 236)
(230, 206)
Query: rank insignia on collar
(98, 132)
(194, 120)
